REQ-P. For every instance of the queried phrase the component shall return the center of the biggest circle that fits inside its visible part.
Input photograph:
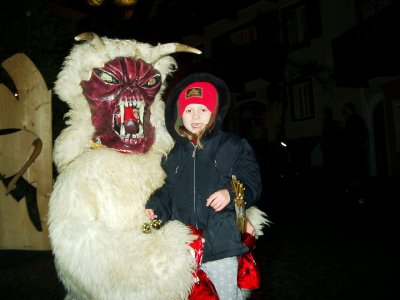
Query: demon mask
(120, 95)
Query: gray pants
(223, 274)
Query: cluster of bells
(118, 2)
(150, 226)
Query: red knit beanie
(199, 92)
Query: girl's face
(195, 117)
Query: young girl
(199, 168)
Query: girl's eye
(188, 110)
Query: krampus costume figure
(109, 163)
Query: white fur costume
(96, 210)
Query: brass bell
(156, 224)
(146, 228)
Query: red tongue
(128, 115)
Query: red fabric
(249, 240)
(202, 288)
(199, 93)
(249, 277)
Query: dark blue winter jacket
(193, 174)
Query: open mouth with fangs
(128, 121)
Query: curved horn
(169, 48)
(185, 48)
(92, 38)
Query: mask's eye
(106, 77)
(153, 81)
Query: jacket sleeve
(161, 202)
(247, 170)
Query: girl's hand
(219, 200)
(150, 213)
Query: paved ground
(324, 245)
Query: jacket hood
(171, 109)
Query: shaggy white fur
(258, 218)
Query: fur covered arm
(98, 257)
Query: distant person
(355, 145)
(331, 145)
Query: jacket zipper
(194, 185)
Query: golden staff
(240, 204)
